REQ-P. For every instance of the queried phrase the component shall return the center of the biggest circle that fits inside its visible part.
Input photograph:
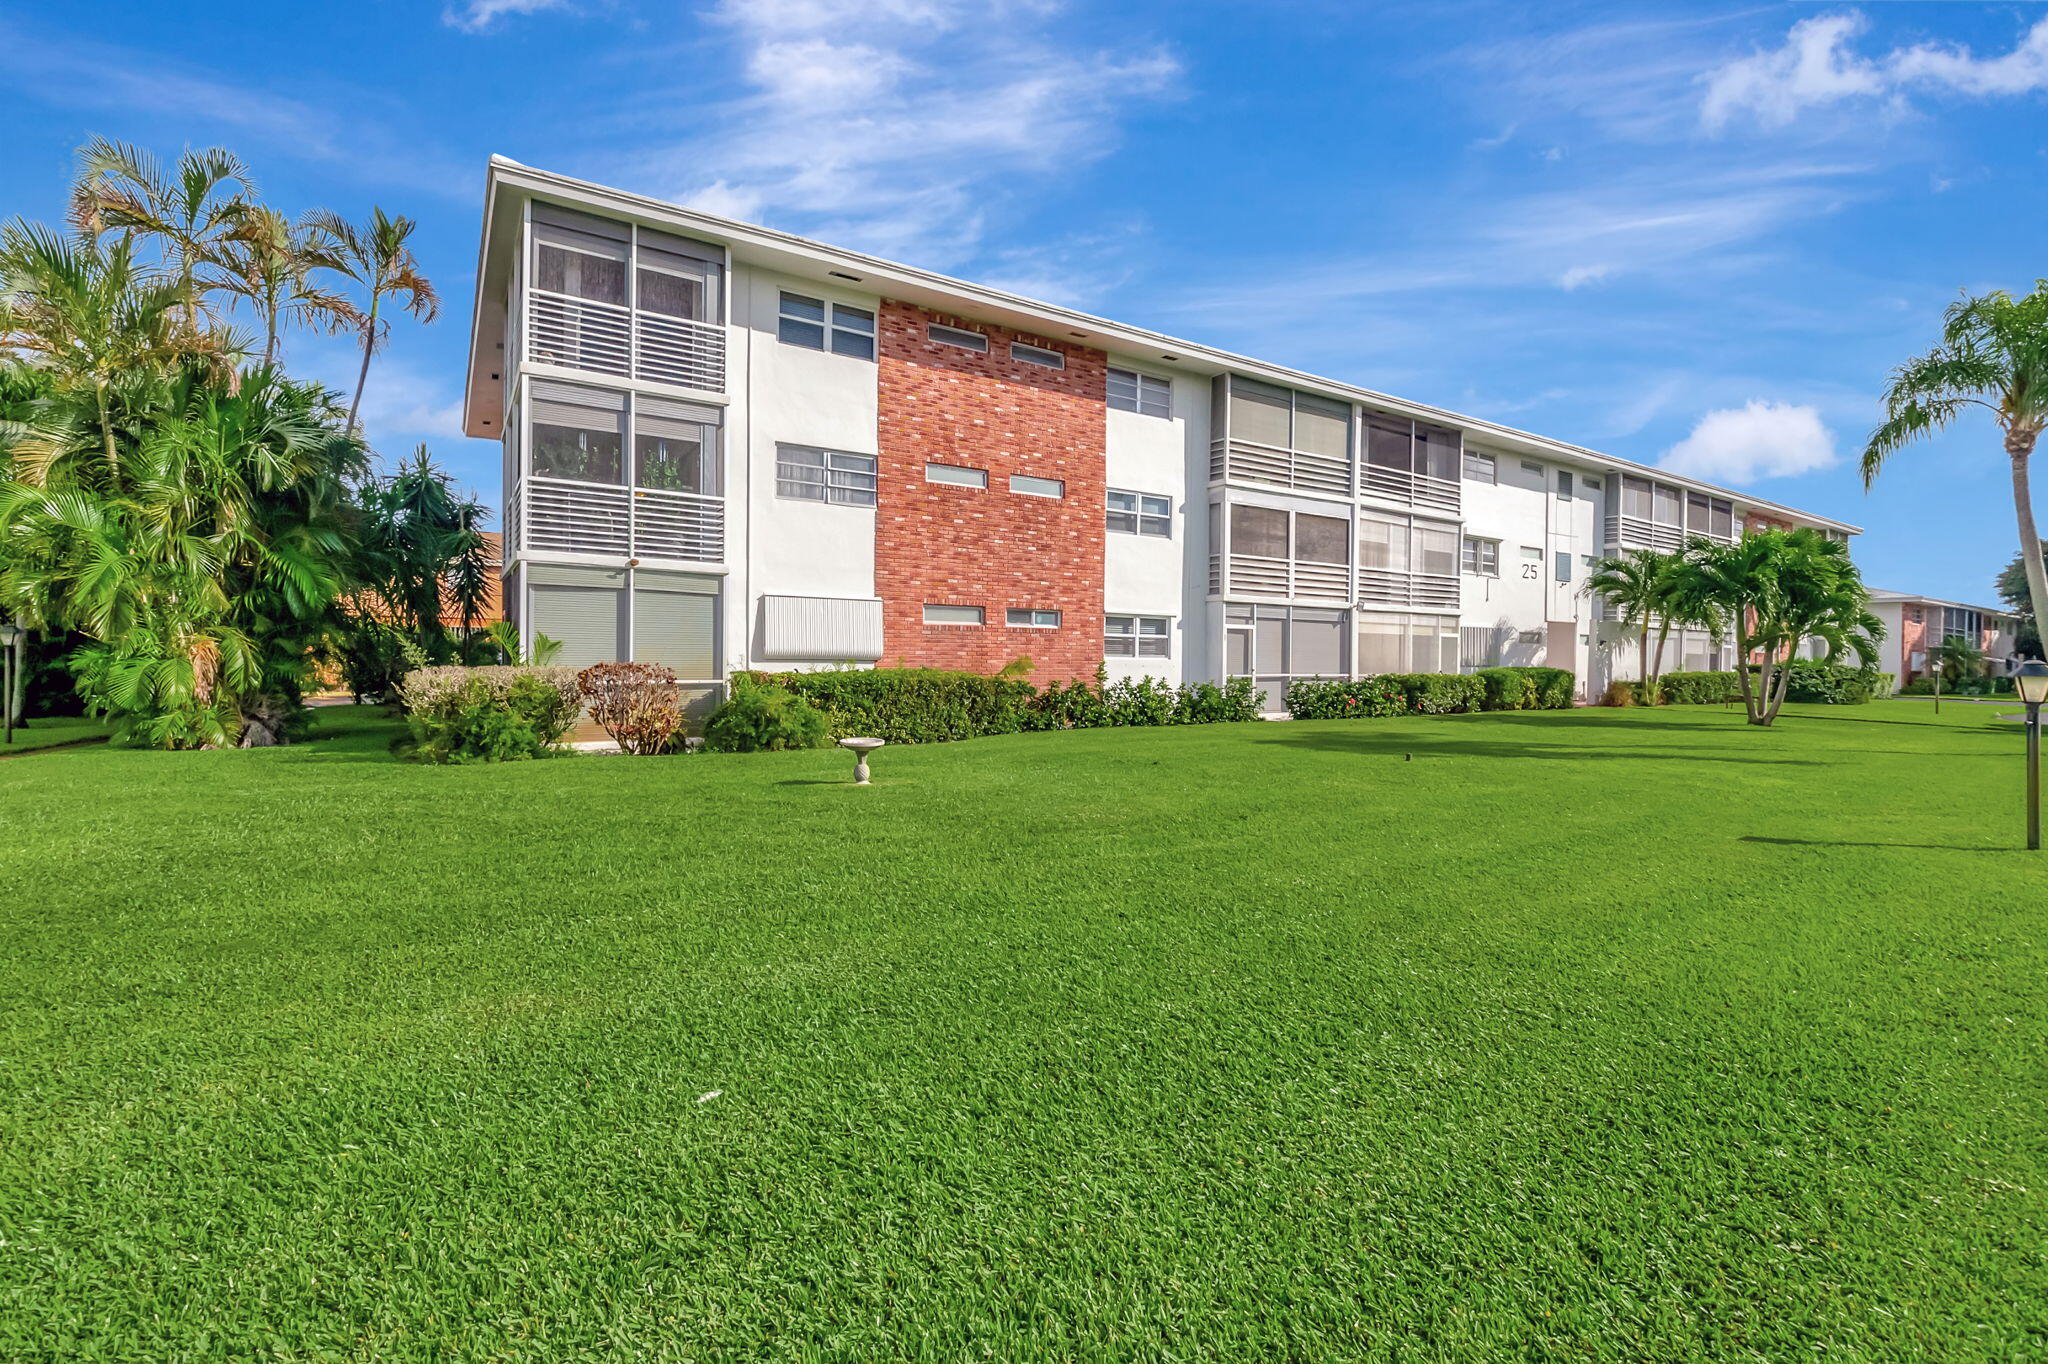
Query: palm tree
(1634, 584)
(269, 261)
(191, 209)
(378, 258)
(1994, 355)
(1957, 660)
(1774, 589)
(94, 319)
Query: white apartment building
(727, 447)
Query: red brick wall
(992, 548)
(1912, 638)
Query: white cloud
(1817, 65)
(1759, 440)
(1581, 275)
(900, 125)
(478, 15)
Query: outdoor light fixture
(10, 635)
(2031, 682)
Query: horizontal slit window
(1037, 355)
(936, 613)
(956, 475)
(956, 336)
(1037, 487)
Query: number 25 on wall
(1529, 570)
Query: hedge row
(1811, 682)
(1430, 693)
(932, 705)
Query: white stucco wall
(789, 546)
(1146, 575)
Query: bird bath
(861, 748)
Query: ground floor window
(1276, 644)
(1137, 636)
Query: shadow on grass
(1851, 843)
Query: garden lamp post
(10, 633)
(2031, 682)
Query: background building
(728, 447)
(1916, 625)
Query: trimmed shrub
(1832, 684)
(464, 715)
(1507, 689)
(638, 704)
(1699, 688)
(1969, 686)
(1554, 686)
(1367, 698)
(910, 705)
(1622, 693)
(1073, 705)
(761, 717)
(1205, 703)
(1439, 693)
(1141, 701)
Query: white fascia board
(799, 256)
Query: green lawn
(52, 733)
(1632, 1035)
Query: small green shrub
(465, 715)
(1141, 701)
(1699, 688)
(1832, 684)
(1205, 703)
(761, 717)
(1439, 693)
(1507, 689)
(1969, 686)
(1554, 686)
(1365, 698)
(910, 705)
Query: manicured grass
(1630, 1035)
(52, 733)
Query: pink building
(1916, 625)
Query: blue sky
(1695, 235)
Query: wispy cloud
(475, 16)
(900, 125)
(1758, 440)
(105, 78)
(1817, 65)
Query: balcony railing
(1411, 489)
(1634, 532)
(1242, 461)
(1381, 587)
(1255, 575)
(605, 338)
(596, 518)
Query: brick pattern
(991, 548)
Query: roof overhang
(510, 185)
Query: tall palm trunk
(99, 393)
(1657, 664)
(369, 344)
(2019, 444)
(1643, 659)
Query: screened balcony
(627, 302)
(1276, 436)
(1657, 516)
(1412, 464)
(580, 493)
(1402, 562)
(1273, 552)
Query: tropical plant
(202, 583)
(761, 717)
(269, 262)
(1635, 583)
(191, 210)
(422, 552)
(1993, 355)
(1776, 588)
(1958, 659)
(505, 635)
(379, 257)
(95, 324)
(464, 715)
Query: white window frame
(979, 616)
(1487, 463)
(1479, 556)
(1026, 353)
(1058, 486)
(935, 472)
(1149, 514)
(1031, 618)
(1150, 395)
(956, 336)
(1134, 636)
(858, 471)
(830, 326)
